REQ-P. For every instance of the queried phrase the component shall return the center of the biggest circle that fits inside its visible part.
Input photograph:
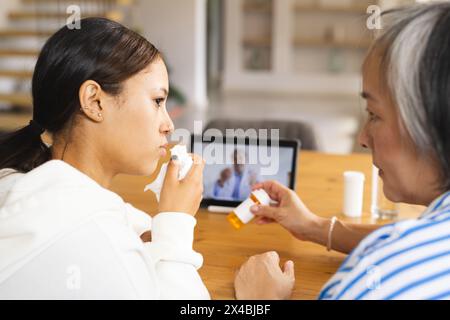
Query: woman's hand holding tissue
(182, 195)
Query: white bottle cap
(353, 193)
(243, 210)
(262, 197)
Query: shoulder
(7, 178)
(399, 261)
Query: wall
(5, 7)
(178, 29)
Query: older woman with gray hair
(406, 83)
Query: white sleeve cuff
(172, 238)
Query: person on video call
(235, 182)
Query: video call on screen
(231, 176)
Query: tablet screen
(233, 167)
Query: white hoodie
(63, 236)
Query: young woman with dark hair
(100, 92)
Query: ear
(89, 95)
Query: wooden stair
(16, 74)
(18, 105)
(18, 53)
(26, 15)
(13, 121)
(14, 33)
(109, 2)
(18, 15)
(17, 99)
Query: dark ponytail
(101, 50)
(24, 147)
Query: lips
(162, 152)
(163, 149)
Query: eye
(159, 101)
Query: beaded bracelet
(330, 232)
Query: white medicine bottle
(242, 214)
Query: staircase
(28, 29)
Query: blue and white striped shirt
(405, 260)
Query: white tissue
(185, 162)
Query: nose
(364, 137)
(167, 126)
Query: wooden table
(319, 184)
